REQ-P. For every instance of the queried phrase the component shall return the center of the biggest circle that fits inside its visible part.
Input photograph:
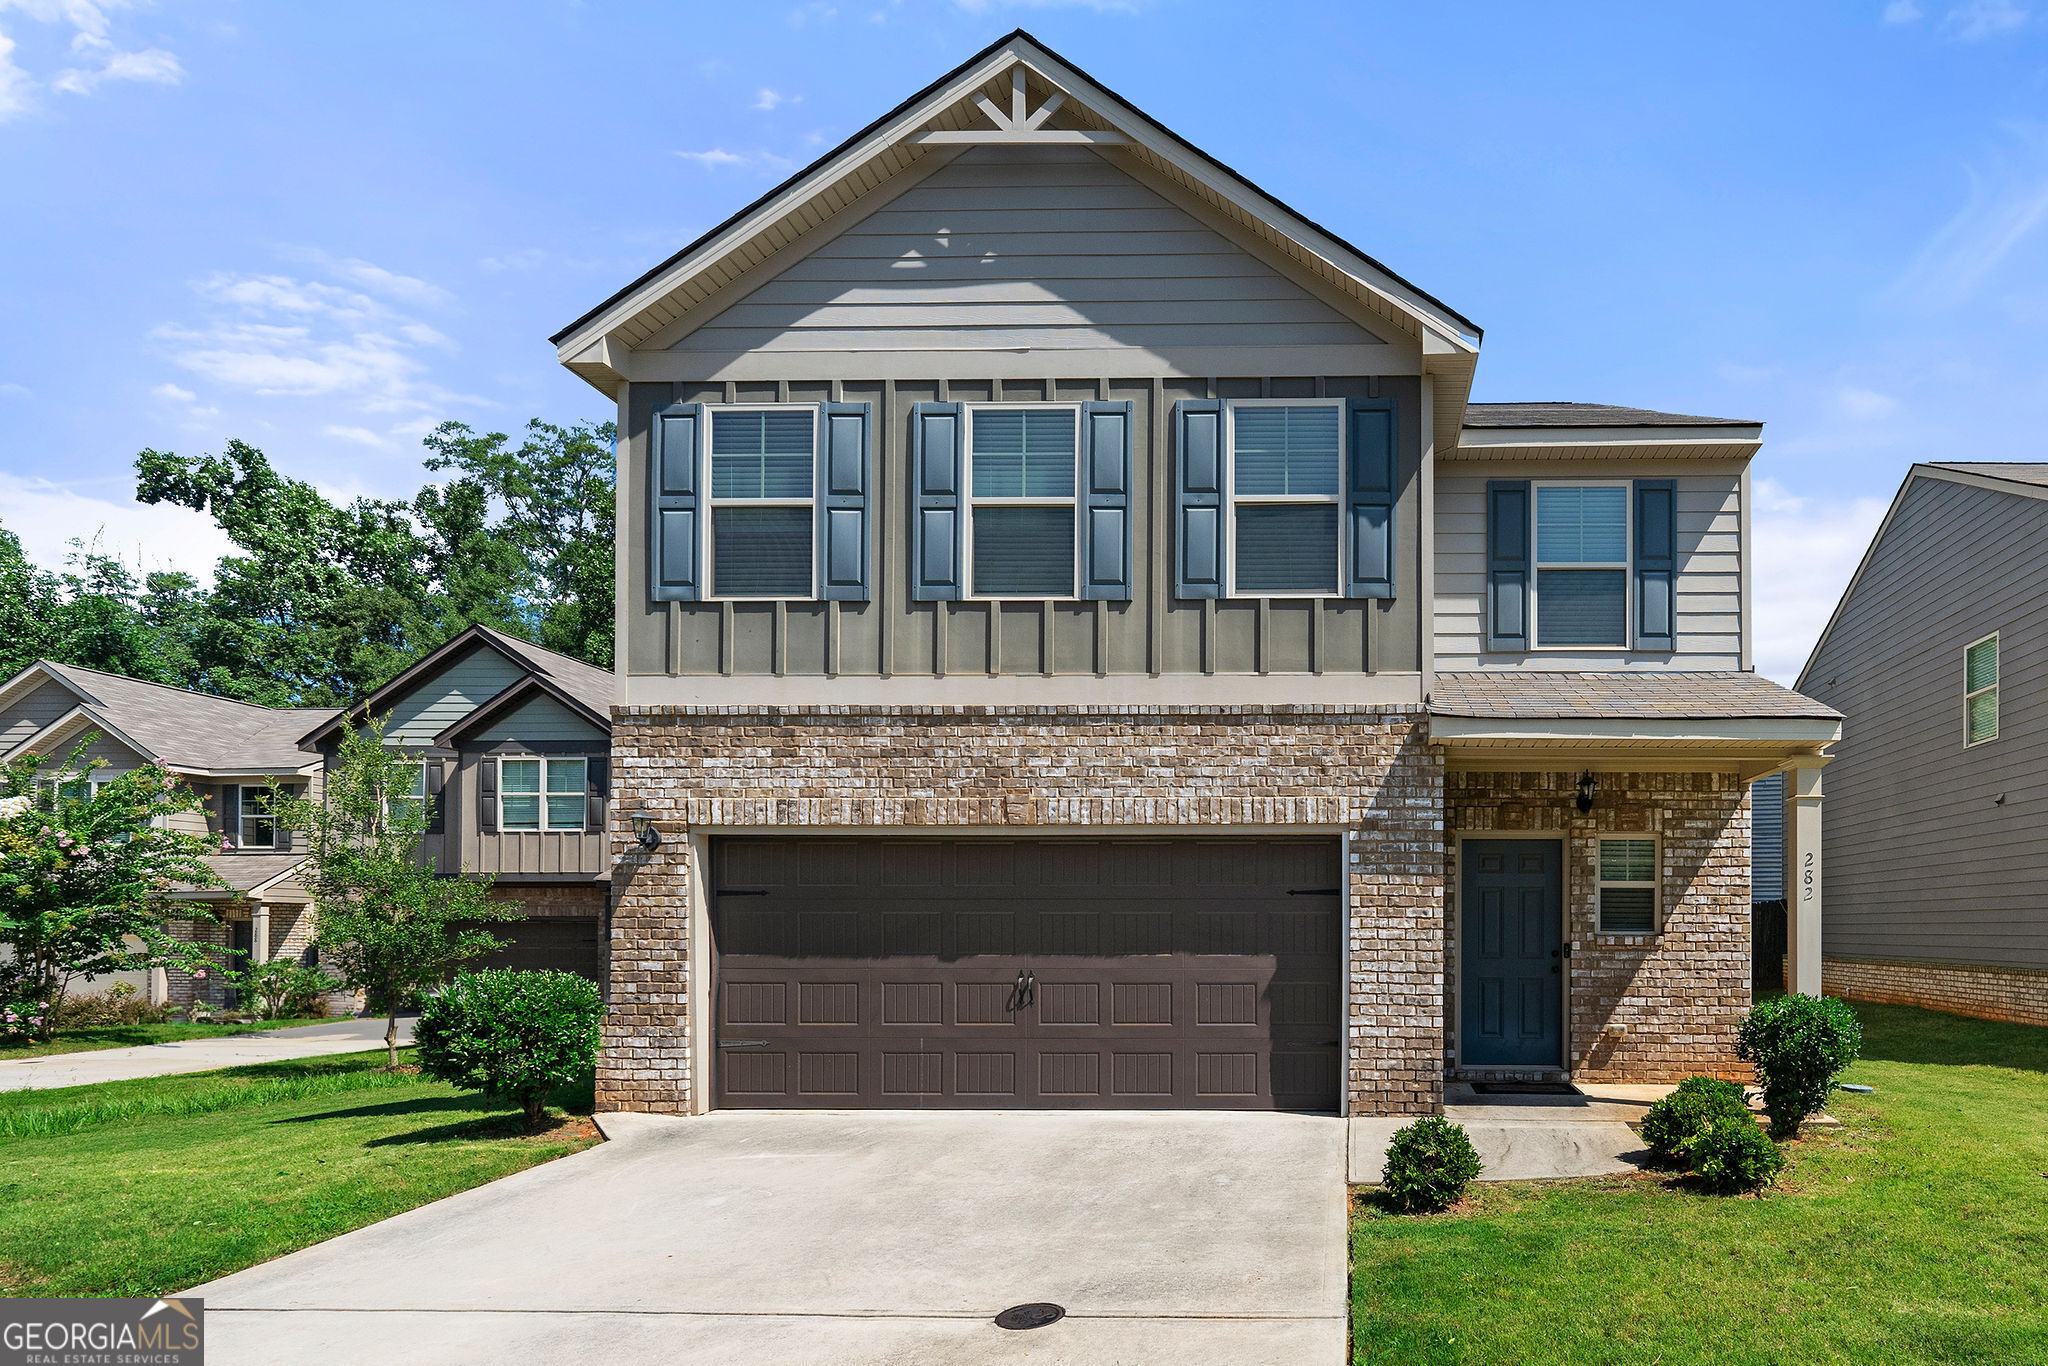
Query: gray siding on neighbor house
(1152, 633)
(1045, 248)
(448, 696)
(516, 856)
(34, 710)
(1922, 861)
(1709, 589)
(1767, 838)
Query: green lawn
(1918, 1232)
(143, 1187)
(127, 1036)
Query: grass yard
(144, 1187)
(1918, 1232)
(87, 1040)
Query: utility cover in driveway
(1141, 974)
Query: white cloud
(174, 393)
(13, 390)
(528, 259)
(90, 39)
(152, 67)
(2006, 204)
(1901, 12)
(1864, 405)
(389, 284)
(14, 82)
(361, 436)
(1981, 19)
(812, 12)
(768, 99)
(1805, 551)
(717, 156)
(48, 515)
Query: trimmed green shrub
(512, 1035)
(1800, 1046)
(1732, 1154)
(1673, 1123)
(1429, 1164)
(120, 1004)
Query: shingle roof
(2019, 471)
(197, 730)
(244, 871)
(1586, 415)
(1512, 695)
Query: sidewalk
(197, 1055)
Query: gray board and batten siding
(1707, 598)
(1153, 633)
(1924, 863)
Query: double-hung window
(409, 793)
(257, 829)
(1628, 885)
(541, 794)
(1286, 462)
(1021, 464)
(1980, 690)
(1582, 567)
(762, 487)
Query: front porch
(1597, 850)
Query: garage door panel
(1148, 987)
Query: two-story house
(1933, 655)
(228, 752)
(510, 745)
(1079, 645)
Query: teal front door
(1511, 976)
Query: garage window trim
(1286, 495)
(1629, 869)
(1023, 463)
(542, 794)
(763, 494)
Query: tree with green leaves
(388, 925)
(86, 877)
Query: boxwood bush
(1675, 1122)
(512, 1035)
(1733, 1154)
(1800, 1046)
(1429, 1164)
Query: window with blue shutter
(763, 494)
(1198, 475)
(937, 447)
(1369, 499)
(1106, 501)
(675, 481)
(845, 493)
(1582, 565)
(1286, 483)
(1507, 564)
(1020, 505)
(1656, 564)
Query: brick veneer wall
(556, 900)
(1681, 993)
(2016, 995)
(1050, 769)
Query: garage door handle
(743, 1043)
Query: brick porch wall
(1051, 770)
(2015, 995)
(1680, 994)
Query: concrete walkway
(1529, 1138)
(778, 1238)
(196, 1055)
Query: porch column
(1803, 875)
(259, 933)
(159, 987)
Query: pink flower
(200, 975)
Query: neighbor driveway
(196, 1055)
(803, 1237)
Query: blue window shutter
(675, 519)
(1199, 470)
(1507, 564)
(845, 490)
(1656, 564)
(938, 433)
(1369, 498)
(1106, 501)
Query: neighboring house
(1079, 645)
(1936, 655)
(228, 752)
(513, 747)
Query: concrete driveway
(779, 1237)
(196, 1055)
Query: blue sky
(324, 228)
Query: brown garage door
(1142, 974)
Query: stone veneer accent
(1681, 993)
(2015, 995)
(1053, 770)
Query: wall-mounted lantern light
(645, 832)
(1586, 791)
